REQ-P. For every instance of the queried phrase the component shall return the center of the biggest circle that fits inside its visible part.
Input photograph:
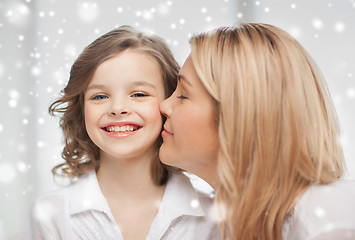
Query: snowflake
(88, 12)
(339, 27)
(40, 120)
(22, 166)
(70, 50)
(163, 9)
(36, 71)
(317, 23)
(7, 173)
(147, 15)
(295, 32)
(2, 70)
(40, 144)
(320, 212)
(350, 93)
(195, 203)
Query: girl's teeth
(120, 129)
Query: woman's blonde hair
(80, 153)
(278, 130)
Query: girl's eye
(99, 97)
(138, 95)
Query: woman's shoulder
(328, 196)
(324, 208)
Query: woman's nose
(165, 107)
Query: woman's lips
(166, 133)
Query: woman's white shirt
(80, 211)
(324, 212)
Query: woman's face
(190, 132)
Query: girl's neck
(129, 176)
(130, 191)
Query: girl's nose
(117, 113)
(118, 108)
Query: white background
(40, 39)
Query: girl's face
(190, 136)
(121, 105)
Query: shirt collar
(86, 194)
(179, 198)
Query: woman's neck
(211, 177)
(208, 172)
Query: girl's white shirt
(80, 211)
(324, 212)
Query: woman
(252, 116)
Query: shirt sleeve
(339, 234)
(326, 212)
(46, 220)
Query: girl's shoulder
(47, 219)
(323, 209)
(57, 200)
(50, 213)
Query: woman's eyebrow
(182, 77)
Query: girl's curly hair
(80, 153)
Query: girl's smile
(121, 129)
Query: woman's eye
(139, 94)
(99, 97)
(181, 97)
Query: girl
(263, 133)
(111, 123)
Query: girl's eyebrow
(143, 83)
(136, 83)
(182, 77)
(96, 86)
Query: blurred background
(40, 39)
